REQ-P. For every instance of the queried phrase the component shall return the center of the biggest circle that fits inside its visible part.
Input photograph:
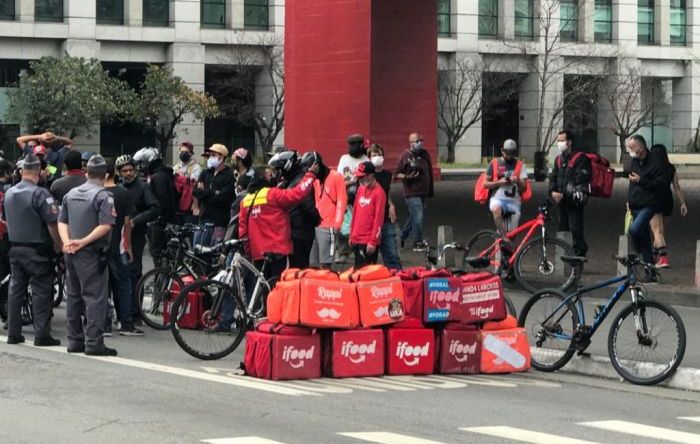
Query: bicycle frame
(529, 226)
(234, 271)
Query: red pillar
(360, 66)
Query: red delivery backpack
(412, 282)
(353, 353)
(410, 351)
(278, 352)
(602, 176)
(482, 194)
(460, 349)
(192, 317)
(184, 186)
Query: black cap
(364, 169)
(356, 138)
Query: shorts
(505, 205)
(325, 245)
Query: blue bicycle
(646, 342)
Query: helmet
(284, 162)
(147, 156)
(309, 159)
(86, 155)
(122, 160)
(510, 146)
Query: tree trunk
(451, 151)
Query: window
(678, 22)
(488, 18)
(568, 20)
(10, 71)
(48, 10)
(213, 14)
(156, 12)
(645, 22)
(256, 15)
(603, 21)
(110, 12)
(524, 19)
(7, 9)
(444, 24)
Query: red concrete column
(367, 66)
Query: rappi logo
(327, 294)
(357, 353)
(405, 352)
(325, 313)
(482, 312)
(296, 357)
(461, 352)
(382, 292)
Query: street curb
(686, 297)
(685, 378)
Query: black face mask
(185, 156)
(272, 183)
(355, 150)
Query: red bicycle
(534, 263)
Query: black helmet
(310, 158)
(284, 162)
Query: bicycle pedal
(585, 354)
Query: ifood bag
(353, 353)
(410, 351)
(328, 304)
(412, 283)
(472, 298)
(193, 310)
(460, 350)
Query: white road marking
(690, 418)
(241, 440)
(388, 438)
(524, 435)
(645, 431)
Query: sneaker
(420, 246)
(48, 341)
(104, 351)
(662, 262)
(133, 331)
(138, 322)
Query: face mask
(272, 183)
(185, 156)
(128, 180)
(378, 161)
(418, 145)
(561, 146)
(633, 154)
(213, 162)
(355, 150)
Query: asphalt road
(155, 393)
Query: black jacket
(145, 205)
(304, 217)
(566, 180)
(648, 192)
(216, 197)
(163, 188)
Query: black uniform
(216, 197)
(61, 187)
(303, 219)
(31, 208)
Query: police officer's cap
(356, 138)
(96, 164)
(31, 161)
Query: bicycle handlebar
(199, 249)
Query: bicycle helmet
(147, 156)
(510, 146)
(284, 162)
(122, 160)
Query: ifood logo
(325, 293)
(461, 352)
(364, 201)
(357, 353)
(482, 312)
(325, 313)
(381, 292)
(444, 296)
(255, 212)
(296, 357)
(405, 352)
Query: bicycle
(25, 310)
(226, 316)
(557, 328)
(533, 262)
(474, 262)
(157, 287)
(59, 280)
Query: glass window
(645, 22)
(256, 14)
(488, 18)
(524, 19)
(603, 21)
(213, 14)
(444, 24)
(110, 12)
(7, 9)
(568, 20)
(678, 22)
(48, 10)
(156, 12)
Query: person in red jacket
(264, 218)
(367, 216)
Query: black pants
(273, 269)
(30, 268)
(362, 258)
(571, 219)
(138, 245)
(302, 253)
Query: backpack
(482, 194)
(184, 186)
(602, 176)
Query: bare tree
(245, 67)
(468, 93)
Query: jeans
(640, 232)
(121, 287)
(414, 223)
(388, 247)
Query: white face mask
(378, 161)
(561, 146)
(632, 154)
(213, 162)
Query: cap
(218, 148)
(510, 145)
(188, 145)
(356, 138)
(30, 161)
(40, 150)
(241, 153)
(96, 162)
(364, 169)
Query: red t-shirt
(368, 216)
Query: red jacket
(267, 227)
(368, 216)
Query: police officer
(85, 224)
(31, 225)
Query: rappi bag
(380, 302)
(353, 353)
(472, 298)
(410, 351)
(279, 352)
(328, 304)
(460, 349)
(192, 317)
(288, 293)
(504, 351)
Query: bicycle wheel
(536, 266)
(218, 330)
(652, 355)
(482, 245)
(156, 291)
(510, 307)
(550, 323)
(59, 281)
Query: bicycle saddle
(574, 260)
(478, 262)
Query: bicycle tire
(488, 237)
(510, 307)
(551, 244)
(534, 328)
(620, 364)
(186, 340)
(153, 314)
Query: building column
(686, 106)
(276, 16)
(586, 21)
(185, 15)
(187, 60)
(80, 17)
(625, 24)
(24, 10)
(133, 12)
(662, 22)
(468, 148)
(506, 19)
(235, 14)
